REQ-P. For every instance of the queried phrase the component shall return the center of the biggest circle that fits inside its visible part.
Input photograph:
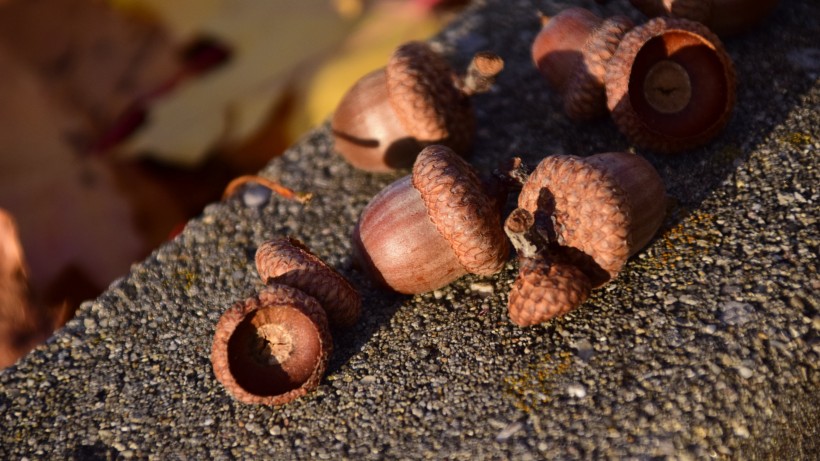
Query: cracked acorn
(668, 84)
(578, 221)
(427, 229)
(274, 346)
(390, 114)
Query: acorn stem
(519, 229)
(481, 73)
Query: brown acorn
(390, 114)
(596, 211)
(723, 17)
(272, 347)
(670, 85)
(427, 229)
(571, 51)
(289, 262)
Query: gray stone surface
(707, 345)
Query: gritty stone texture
(706, 345)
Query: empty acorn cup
(670, 85)
(272, 347)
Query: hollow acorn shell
(272, 347)
(600, 209)
(670, 85)
(289, 262)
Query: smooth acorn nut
(390, 114)
(723, 17)
(427, 229)
(595, 211)
(670, 85)
(288, 261)
(571, 51)
(272, 347)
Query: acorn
(571, 51)
(670, 85)
(390, 114)
(577, 222)
(429, 228)
(272, 347)
(723, 17)
(288, 261)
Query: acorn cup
(670, 85)
(272, 347)
(390, 114)
(578, 221)
(723, 17)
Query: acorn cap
(272, 347)
(422, 89)
(544, 290)
(460, 210)
(589, 213)
(670, 85)
(289, 262)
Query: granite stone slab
(706, 346)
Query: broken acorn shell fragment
(598, 210)
(723, 17)
(272, 347)
(289, 262)
(571, 51)
(670, 85)
(390, 114)
(427, 229)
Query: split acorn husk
(272, 347)
(417, 99)
(670, 85)
(723, 17)
(592, 214)
(429, 228)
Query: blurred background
(121, 119)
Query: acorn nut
(416, 100)
(571, 51)
(670, 85)
(723, 17)
(289, 262)
(577, 222)
(427, 229)
(272, 347)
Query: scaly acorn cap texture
(422, 90)
(670, 85)
(289, 262)
(600, 209)
(545, 289)
(460, 210)
(272, 347)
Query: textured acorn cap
(273, 347)
(289, 262)
(421, 85)
(600, 209)
(460, 210)
(670, 85)
(544, 290)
